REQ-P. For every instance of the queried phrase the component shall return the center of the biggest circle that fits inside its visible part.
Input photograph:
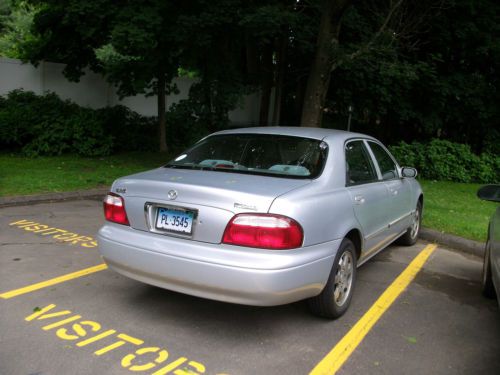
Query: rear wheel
(411, 235)
(335, 298)
(487, 281)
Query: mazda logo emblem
(172, 194)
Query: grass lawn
(22, 176)
(448, 207)
(454, 208)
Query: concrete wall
(93, 91)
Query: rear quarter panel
(324, 214)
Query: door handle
(359, 199)
(394, 191)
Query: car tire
(336, 296)
(411, 235)
(487, 280)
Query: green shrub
(130, 131)
(444, 160)
(46, 125)
(89, 136)
(489, 168)
(184, 126)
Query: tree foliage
(440, 82)
(15, 27)
(411, 69)
(133, 44)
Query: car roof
(306, 132)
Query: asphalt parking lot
(63, 312)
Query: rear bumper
(219, 272)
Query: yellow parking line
(345, 347)
(56, 280)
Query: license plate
(179, 221)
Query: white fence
(93, 91)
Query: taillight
(267, 231)
(114, 209)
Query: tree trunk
(319, 77)
(162, 128)
(280, 77)
(252, 59)
(267, 85)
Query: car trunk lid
(213, 197)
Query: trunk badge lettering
(121, 190)
(245, 207)
(172, 194)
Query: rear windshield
(261, 154)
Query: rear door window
(359, 164)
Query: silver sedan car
(263, 216)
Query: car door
(494, 239)
(368, 194)
(399, 189)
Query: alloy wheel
(343, 278)
(415, 225)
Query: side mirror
(489, 193)
(409, 172)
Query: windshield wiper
(193, 166)
(181, 166)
